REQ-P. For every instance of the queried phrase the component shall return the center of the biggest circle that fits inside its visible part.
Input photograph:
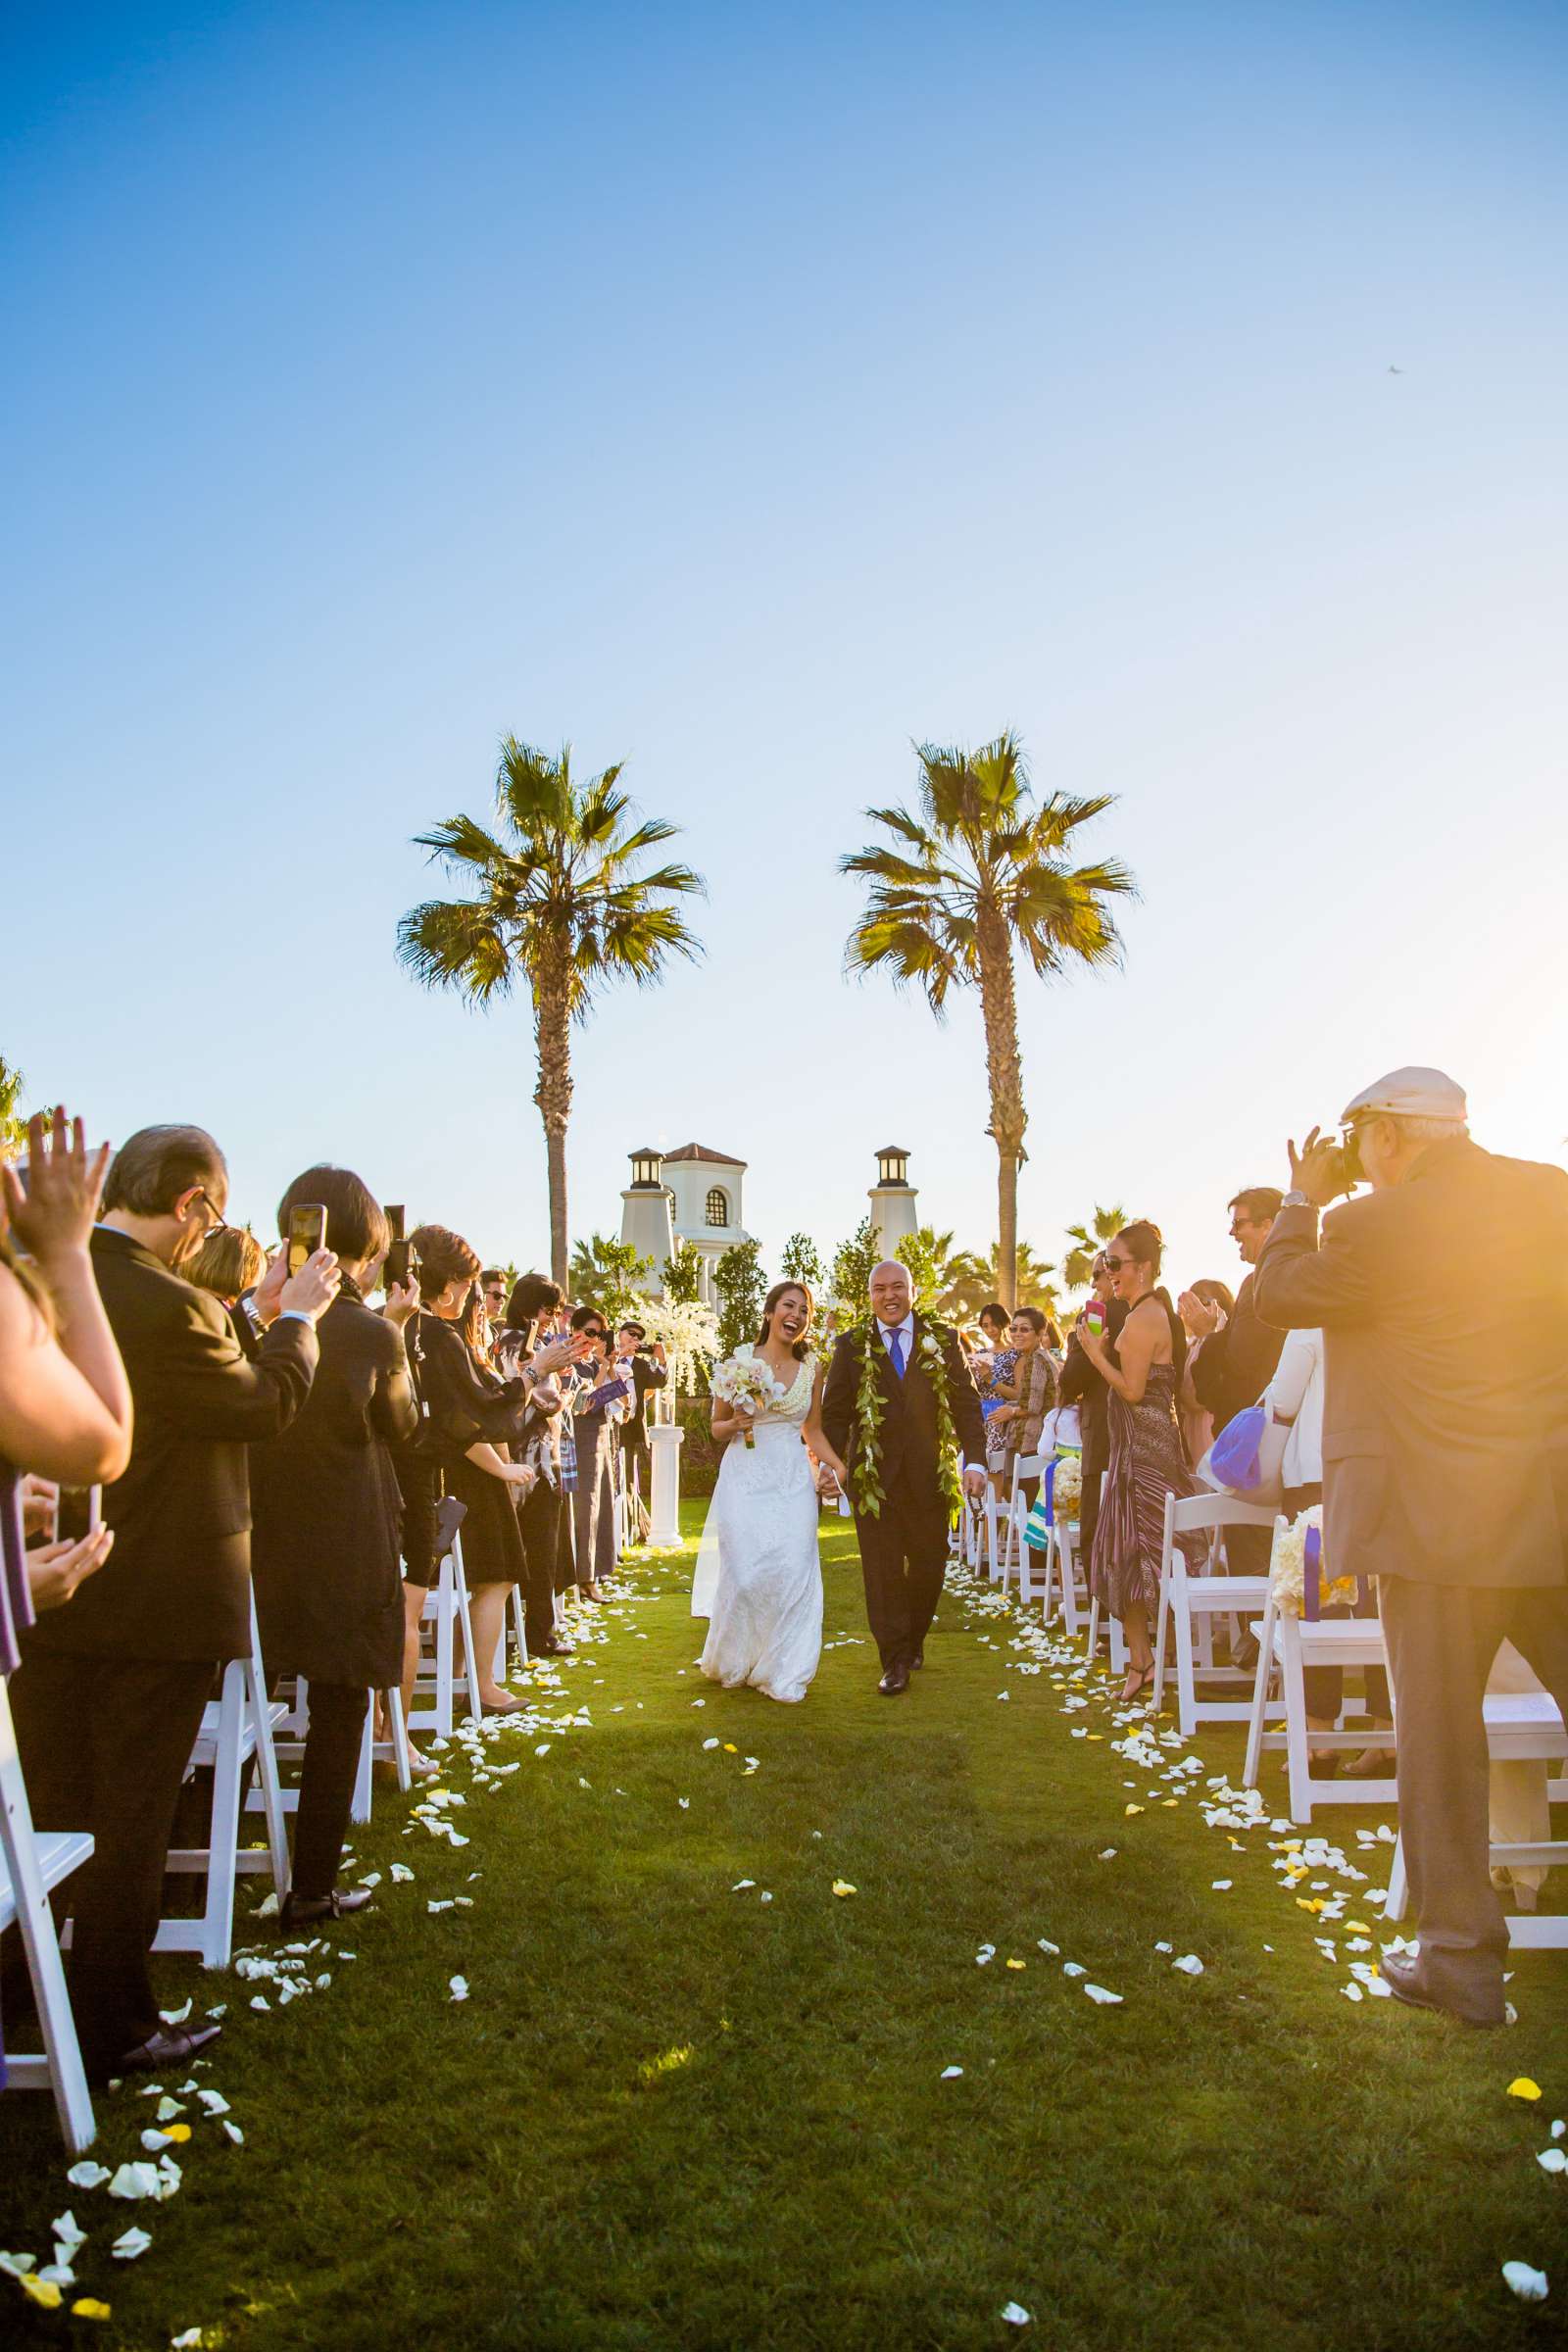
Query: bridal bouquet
(742, 1381)
(1298, 1553)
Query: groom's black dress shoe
(1407, 1982)
(896, 1678)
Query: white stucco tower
(892, 1199)
(645, 1211)
(705, 1192)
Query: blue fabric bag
(1233, 1457)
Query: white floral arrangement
(1067, 1486)
(1288, 1564)
(745, 1384)
(687, 1331)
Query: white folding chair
(439, 1680)
(1288, 1646)
(236, 1726)
(32, 1866)
(1523, 1727)
(1014, 1550)
(1191, 1603)
(374, 1751)
(1117, 1639)
(1062, 1576)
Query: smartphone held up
(307, 1233)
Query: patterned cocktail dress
(1148, 1462)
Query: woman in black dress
(1141, 1370)
(470, 1416)
(528, 1348)
(324, 1546)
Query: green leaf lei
(865, 1479)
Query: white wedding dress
(758, 1578)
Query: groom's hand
(974, 1482)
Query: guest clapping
(324, 1544)
(1142, 1369)
(109, 1698)
(1030, 1394)
(65, 1401)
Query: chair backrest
(1206, 1514)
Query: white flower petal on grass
(764, 1897)
(741, 1886)
(67, 2232)
(1098, 1992)
(189, 2339)
(129, 2244)
(1164, 1948)
(176, 2017)
(234, 2132)
(1189, 1964)
(1220, 1885)
(1353, 1992)
(168, 2110)
(260, 2001)
(708, 1743)
(1015, 2314)
(136, 2181)
(1047, 1946)
(401, 1874)
(951, 2074)
(458, 1986)
(1550, 2160)
(1530, 2286)
(88, 2174)
(214, 2101)
(1073, 1968)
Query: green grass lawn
(673, 2114)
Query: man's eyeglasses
(218, 1223)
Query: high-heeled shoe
(1139, 1680)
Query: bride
(758, 1578)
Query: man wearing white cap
(1443, 1298)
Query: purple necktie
(896, 1352)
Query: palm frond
(456, 944)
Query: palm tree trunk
(551, 1028)
(998, 1007)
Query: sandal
(1138, 1678)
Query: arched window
(717, 1211)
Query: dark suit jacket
(1443, 1305)
(324, 1547)
(177, 1584)
(908, 1434)
(1236, 1365)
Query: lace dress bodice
(792, 1408)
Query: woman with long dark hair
(758, 1574)
(1142, 1369)
(528, 1348)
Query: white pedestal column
(666, 1438)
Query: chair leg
(272, 1806)
(393, 1701)
(520, 1629)
(363, 1777)
(1186, 1681)
(1399, 1895)
(470, 1663)
(1162, 1624)
(1261, 1684)
(223, 1837)
(445, 1616)
(1298, 1760)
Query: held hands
(54, 1216)
(1318, 1169)
(55, 1570)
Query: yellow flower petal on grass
(1521, 2087)
(43, 2291)
(89, 2308)
(1129, 1810)
(1018, 1963)
(843, 1887)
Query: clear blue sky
(742, 393)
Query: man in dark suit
(904, 1545)
(1443, 1298)
(108, 1699)
(1239, 1357)
(649, 1371)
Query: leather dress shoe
(896, 1678)
(1409, 1983)
(171, 2045)
(299, 1910)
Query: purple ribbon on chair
(16, 1596)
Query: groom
(891, 1444)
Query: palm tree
(928, 1255)
(1086, 1242)
(12, 1126)
(560, 904)
(980, 872)
(973, 1279)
